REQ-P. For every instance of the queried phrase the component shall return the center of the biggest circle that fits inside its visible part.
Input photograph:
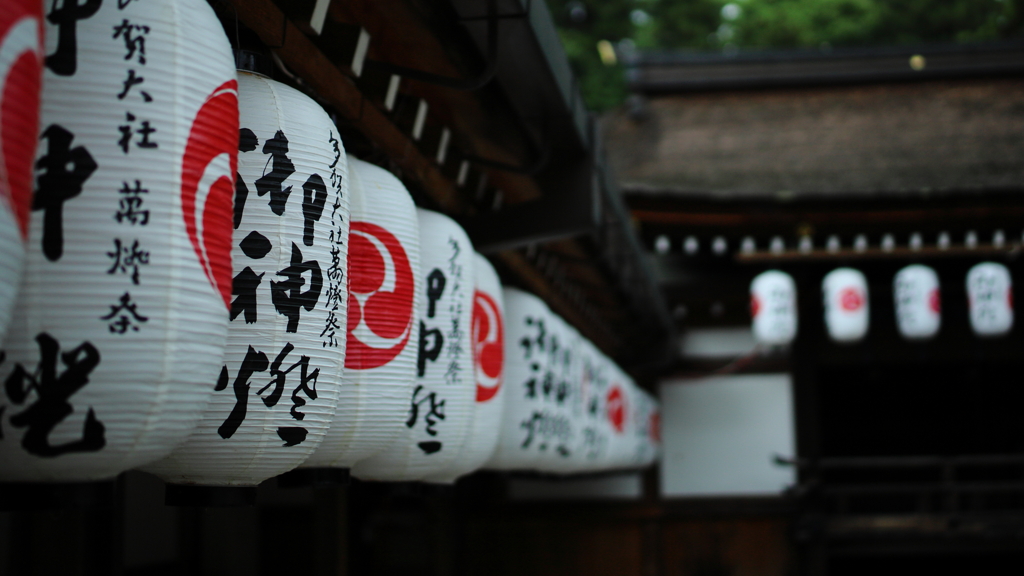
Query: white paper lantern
(487, 339)
(845, 292)
(773, 308)
(382, 328)
(990, 299)
(21, 70)
(645, 428)
(118, 333)
(918, 304)
(564, 400)
(440, 407)
(277, 392)
(527, 428)
(595, 430)
(619, 402)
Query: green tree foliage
(757, 24)
(803, 23)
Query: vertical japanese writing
(336, 239)
(456, 334)
(292, 289)
(128, 257)
(546, 382)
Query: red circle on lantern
(375, 255)
(935, 301)
(850, 299)
(755, 305)
(208, 184)
(488, 345)
(616, 407)
(21, 73)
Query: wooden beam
(300, 54)
(602, 336)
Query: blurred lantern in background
(277, 391)
(845, 292)
(619, 402)
(773, 308)
(527, 346)
(646, 429)
(562, 412)
(918, 303)
(382, 329)
(594, 429)
(118, 335)
(440, 407)
(21, 73)
(990, 299)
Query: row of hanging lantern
(568, 407)
(213, 292)
(916, 293)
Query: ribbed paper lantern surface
(595, 430)
(563, 401)
(619, 404)
(646, 429)
(528, 427)
(119, 331)
(440, 407)
(382, 328)
(487, 340)
(773, 308)
(990, 299)
(845, 292)
(21, 70)
(918, 304)
(276, 394)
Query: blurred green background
(738, 25)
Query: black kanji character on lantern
(291, 435)
(126, 313)
(331, 327)
(243, 287)
(127, 259)
(64, 61)
(122, 4)
(334, 272)
(64, 171)
(538, 343)
(433, 412)
(133, 80)
(253, 362)
(134, 36)
(288, 297)
(531, 384)
(548, 385)
(431, 343)
(52, 392)
(336, 144)
(335, 177)
(281, 169)
(247, 142)
(128, 129)
(435, 288)
(130, 203)
(314, 198)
